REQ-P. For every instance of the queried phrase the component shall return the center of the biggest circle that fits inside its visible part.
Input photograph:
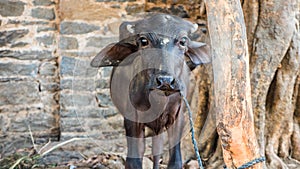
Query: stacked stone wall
(29, 76)
(47, 86)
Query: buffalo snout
(165, 82)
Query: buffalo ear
(113, 54)
(198, 53)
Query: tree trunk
(273, 39)
(234, 117)
(274, 66)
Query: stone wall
(29, 76)
(46, 83)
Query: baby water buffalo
(151, 64)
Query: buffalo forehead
(161, 24)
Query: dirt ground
(28, 158)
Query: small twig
(39, 154)
(18, 162)
(83, 156)
(45, 146)
(295, 161)
(32, 139)
(62, 144)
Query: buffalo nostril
(172, 84)
(159, 81)
(165, 82)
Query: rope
(244, 166)
(193, 133)
(250, 163)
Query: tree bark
(273, 39)
(274, 64)
(295, 140)
(234, 118)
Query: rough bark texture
(234, 118)
(274, 66)
(274, 46)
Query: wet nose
(165, 82)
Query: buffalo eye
(143, 41)
(183, 42)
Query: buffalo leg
(135, 144)
(157, 149)
(174, 137)
(175, 161)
